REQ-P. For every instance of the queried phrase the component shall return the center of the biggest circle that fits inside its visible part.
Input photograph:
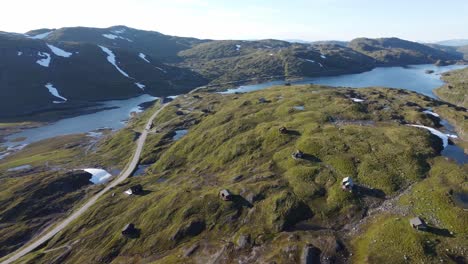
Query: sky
(309, 20)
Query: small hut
(225, 195)
(136, 189)
(298, 154)
(283, 130)
(128, 230)
(347, 184)
(417, 223)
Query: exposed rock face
(243, 241)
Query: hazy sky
(422, 20)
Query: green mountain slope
(230, 61)
(280, 205)
(395, 51)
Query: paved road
(60, 226)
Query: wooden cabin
(225, 195)
(298, 154)
(283, 130)
(347, 184)
(417, 223)
(136, 189)
(128, 230)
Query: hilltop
(281, 207)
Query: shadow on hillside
(293, 132)
(364, 191)
(310, 158)
(143, 193)
(240, 201)
(134, 234)
(439, 231)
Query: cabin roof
(416, 221)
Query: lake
(411, 77)
(109, 118)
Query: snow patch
(44, 61)
(431, 113)
(271, 54)
(20, 53)
(59, 52)
(55, 93)
(41, 36)
(110, 36)
(141, 86)
(357, 100)
(161, 69)
(309, 60)
(20, 168)
(118, 31)
(113, 37)
(436, 132)
(111, 59)
(143, 57)
(99, 175)
(323, 56)
(238, 47)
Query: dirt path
(64, 223)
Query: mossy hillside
(29, 197)
(390, 237)
(237, 146)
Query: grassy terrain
(390, 237)
(36, 197)
(456, 88)
(233, 142)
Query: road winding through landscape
(64, 223)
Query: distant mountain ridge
(453, 42)
(395, 51)
(84, 65)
